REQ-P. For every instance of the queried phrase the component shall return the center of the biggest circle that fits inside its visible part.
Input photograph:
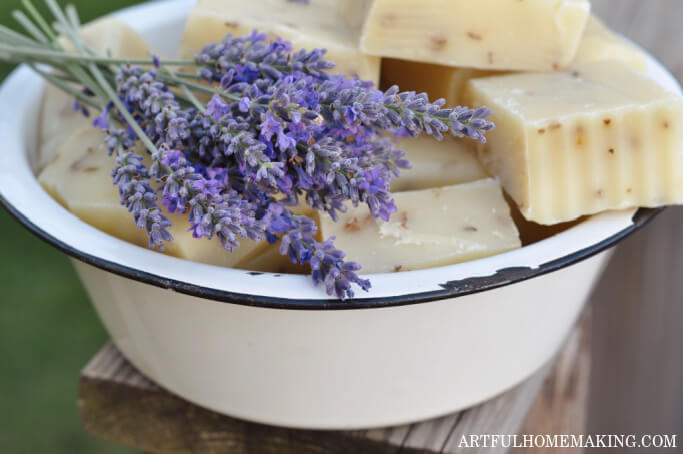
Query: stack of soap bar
(325, 24)
(58, 119)
(597, 137)
(489, 34)
(437, 163)
(599, 43)
(432, 227)
(79, 178)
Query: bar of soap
(270, 260)
(58, 119)
(432, 227)
(437, 163)
(599, 43)
(330, 25)
(79, 178)
(597, 137)
(488, 34)
(109, 35)
(438, 81)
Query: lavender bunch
(331, 123)
(280, 129)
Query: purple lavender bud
(244, 104)
(102, 120)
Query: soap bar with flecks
(531, 35)
(432, 227)
(80, 179)
(596, 137)
(437, 163)
(599, 43)
(58, 119)
(330, 25)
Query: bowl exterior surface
(341, 369)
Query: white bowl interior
(162, 26)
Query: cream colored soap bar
(490, 34)
(598, 137)
(432, 227)
(58, 119)
(437, 81)
(330, 25)
(599, 43)
(437, 163)
(80, 180)
(270, 260)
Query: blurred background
(48, 330)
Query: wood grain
(637, 384)
(118, 403)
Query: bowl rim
(438, 283)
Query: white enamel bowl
(272, 348)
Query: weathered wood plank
(153, 420)
(118, 403)
(637, 383)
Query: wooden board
(118, 403)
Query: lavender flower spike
(245, 59)
(352, 103)
(327, 263)
(215, 209)
(140, 199)
(465, 122)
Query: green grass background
(48, 330)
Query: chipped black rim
(450, 289)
